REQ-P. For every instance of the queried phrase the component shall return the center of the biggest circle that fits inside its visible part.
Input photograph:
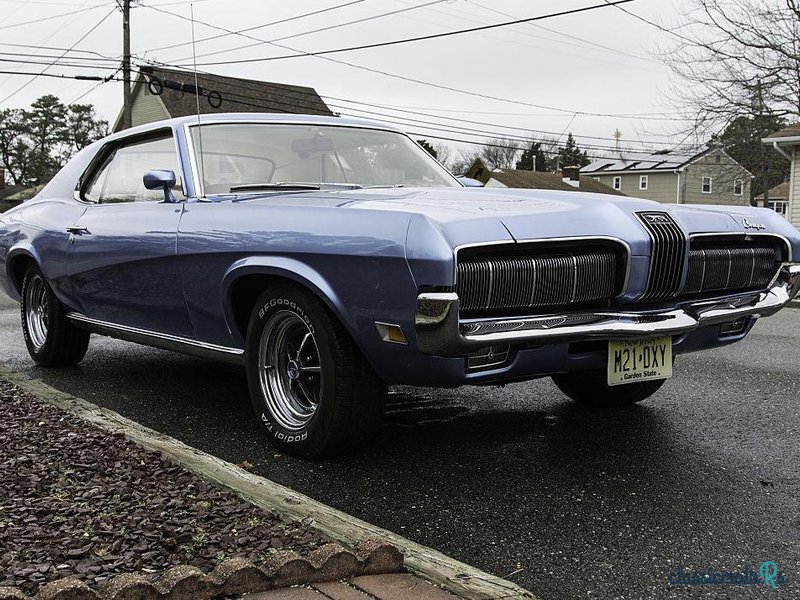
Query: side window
(119, 178)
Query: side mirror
(468, 182)
(161, 180)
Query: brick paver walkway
(371, 587)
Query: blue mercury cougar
(334, 257)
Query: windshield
(241, 157)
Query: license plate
(630, 361)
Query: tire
(311, 388)
(591, 388)
(52, 340)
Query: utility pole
(126, 63)
(760, 125)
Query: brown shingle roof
(229, 94)
(786, 132)
(540, 180)
(779, 192)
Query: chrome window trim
(604, 238)
(267, 121)
(120, 142)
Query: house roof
(220, 94)
(792, 131)
(779, 192)
(657, 161)
(538, 180)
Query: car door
(121, 259)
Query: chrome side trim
(440, 332)
(159, 340)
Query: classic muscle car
(334, 257)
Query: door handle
(77, 230)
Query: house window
(617, 183)
(643, 182)
(738, 187)
(779, 206)
(707, 185)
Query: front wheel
(311, 387)
(591, 388)
(52, 340)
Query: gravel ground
(78, 501)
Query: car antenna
(197, 104)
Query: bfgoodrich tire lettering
(52, 340)
(591, 387)
(311, 388)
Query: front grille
(537, 277)
(731, 269)
(667, 256)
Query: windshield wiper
(292, 185)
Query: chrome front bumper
(439, 330)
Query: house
(165, 93)
(777, 199)
(786, 142)
(710, 177)
(569, 180)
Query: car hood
(476, 215)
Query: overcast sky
(610, 69)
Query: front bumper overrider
(439, 330)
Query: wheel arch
(17, 263)
(247, 279)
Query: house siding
(724, 171)
(146, 107)
(661, 187)
(794, 190)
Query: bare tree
(444, 154)
(500, 153)
(737, 57)
(734, 60)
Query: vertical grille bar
(667, 256)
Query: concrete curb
(457, 577)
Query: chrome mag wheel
(36, 311)
(290, 370)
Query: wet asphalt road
(568, 502)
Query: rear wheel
(591, 388)
(52, 340)
(311, 387)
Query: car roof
(287, 118)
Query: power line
(472, 121)
(421, 38)
(111, 77)
(290, 105)
(59, 16)
(240, 31)
(60, 76)
(83, 37)
(60, 49)
(643, 116)
(260, 42)
(567, 35)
